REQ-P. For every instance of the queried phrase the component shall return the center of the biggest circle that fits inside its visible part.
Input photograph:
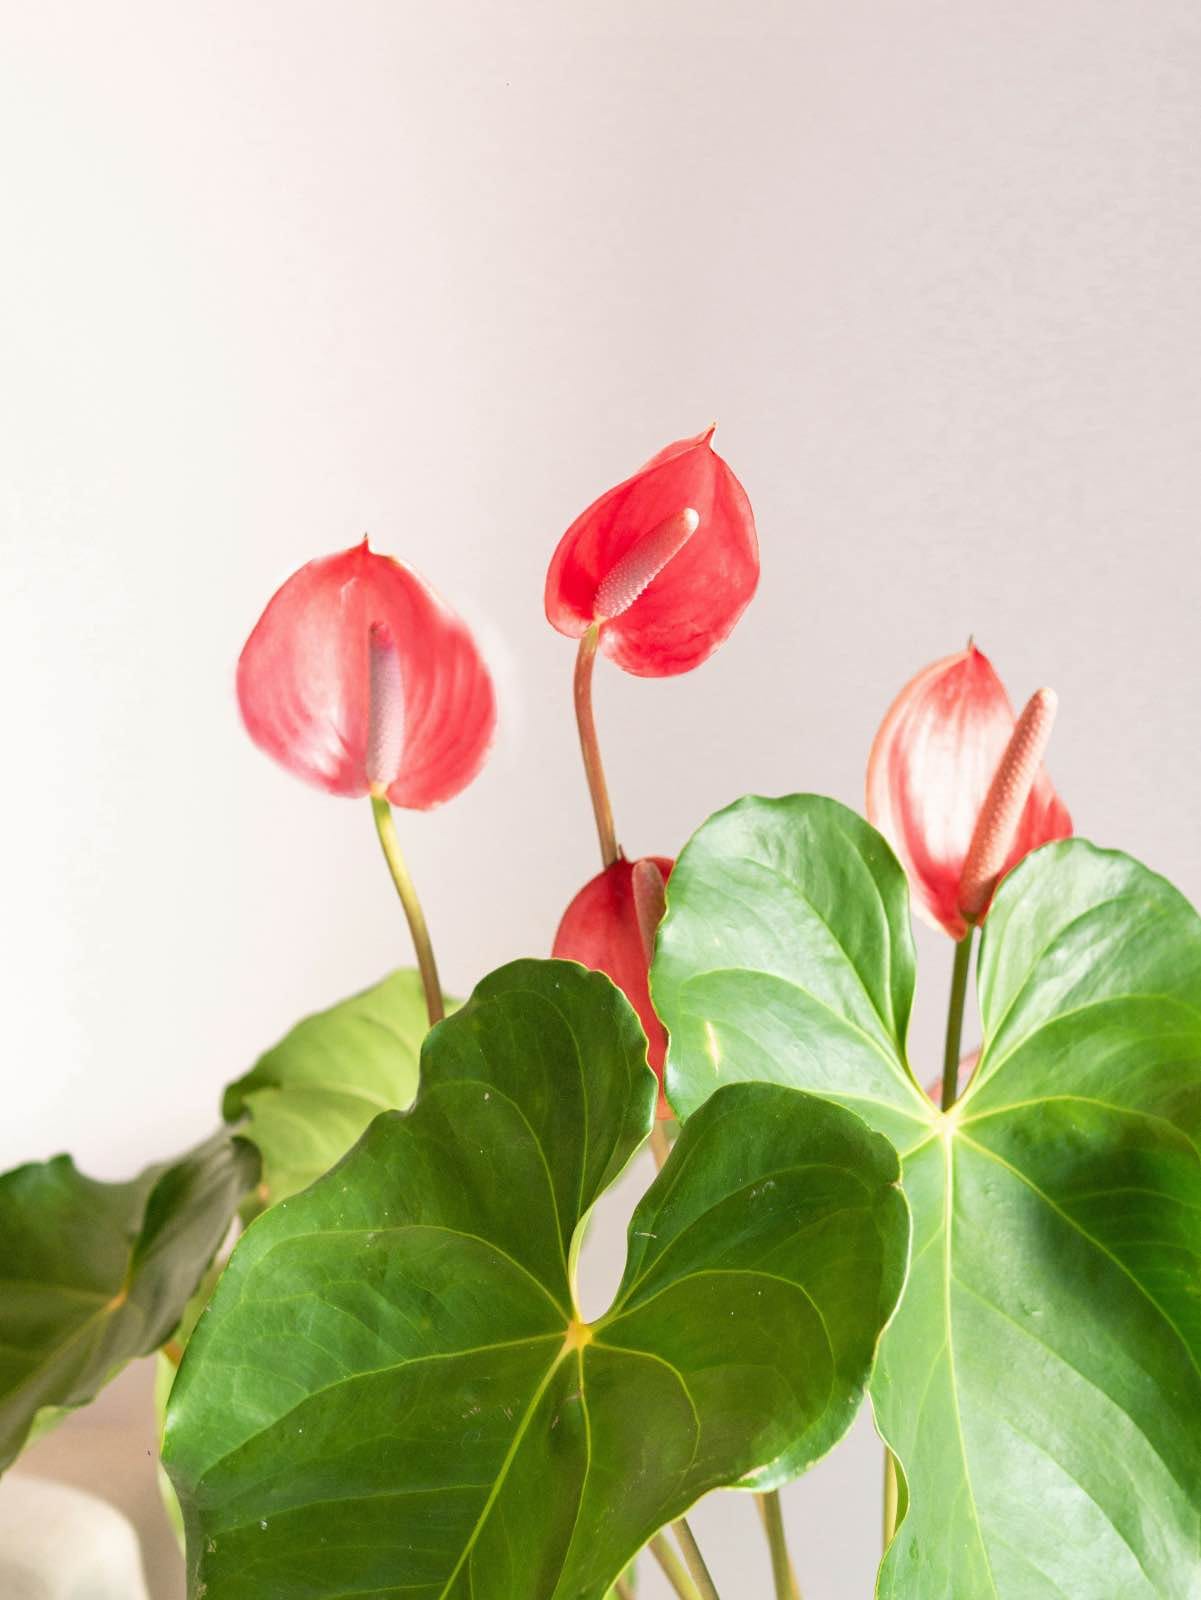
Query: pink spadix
(642, 564)
(1007, 795)
(650, 902)
(385, 717)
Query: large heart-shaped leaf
(392, 1390)
(93, 1274)
(1041, 1381)
(306, 1101)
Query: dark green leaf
(310, 1097)
(93, 1274)
(392, 1391)
(1041, 1383)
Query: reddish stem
(590, 747)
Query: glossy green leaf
(93, 1274)
(306, 1101)
(1041, 1383)
(788, 959)
(392, 1392)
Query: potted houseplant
(387, 1386)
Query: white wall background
(275, 275)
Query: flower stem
(890, 1496)
(695, 1560)
(590, 747)
(783, 1576)
(385, 826)
(673, 1568)
(950, 1060)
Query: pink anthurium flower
(664, 564)
(360, 679)
(957, 786)
(610, 926)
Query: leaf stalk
(673, 1568)
(783, 1575)
(695, 1561)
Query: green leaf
(310, 1097)
(93, 1274)
(1041, 1382)
(392, 1390)
(788, 958)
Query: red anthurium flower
(360, 679)
(665, 563)
(610, 926)
(957, 786)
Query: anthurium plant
(363, 1290)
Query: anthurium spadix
(359, 678)
(663, 564)
(610, 927)
(957, 787)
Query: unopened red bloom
(360, 679)
(931, 790)
(610, 926)
(664, 564)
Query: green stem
(622, 1590)
(783, 1576)
(386, 828)
(602, 809)
(890, 1496)
(696, 1561)
(673, 1568)
(950, 1059)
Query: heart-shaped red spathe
(928, 777)
(305, 682)
(698, 581)
(601, 929)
